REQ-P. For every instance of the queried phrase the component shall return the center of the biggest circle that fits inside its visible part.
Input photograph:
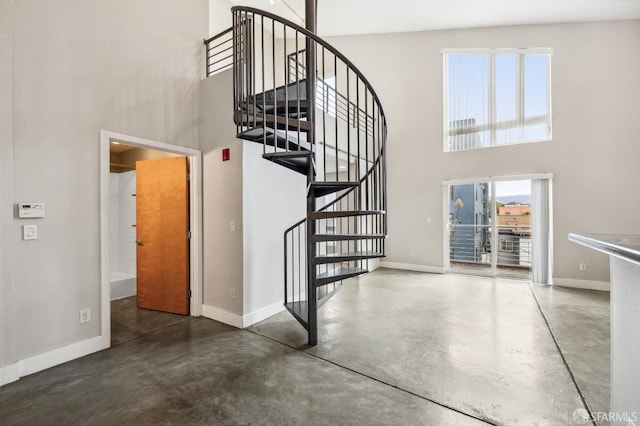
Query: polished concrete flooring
(394, 347)
(128, 322)
(579, 321)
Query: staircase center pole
(312, 312)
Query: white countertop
(625, 247)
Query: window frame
(506, 245)
(493, 126)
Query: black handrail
(295, 225)
(220, 34)
(215, 58)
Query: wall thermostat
(30, 210)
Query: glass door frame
(493, 271)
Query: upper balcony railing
(219, 49)
(328, 99)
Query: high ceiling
(341, 17)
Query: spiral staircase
(327, 125)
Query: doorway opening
(490, 226)
(125, 271)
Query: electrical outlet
(583, 266)
(233, 294)
(85, 315)
(413, 253)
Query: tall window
(496, 97)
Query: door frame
(445, 211)
(194, 157)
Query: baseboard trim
(374, 264)
(238, 321)
(412, 267)
(222, 316)
(262, 314)
(123, 287)
(582, 284)
(9, 374)
(60, 356)
(36, 363)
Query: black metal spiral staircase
(327, 125)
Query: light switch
(30, 232)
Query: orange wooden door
(162, 223)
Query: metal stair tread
(256, 134)
(347, 257)
(283, 143)
(253, 134)
(346, 237)
(245, 118)
(281, 106)
(345, 213)
(299, 311)
(287, 154)
(319, 189)
(338, 274)
(298, 161)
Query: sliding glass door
(513, 228)
(489, 228)
(469, 227)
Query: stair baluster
(327, 125)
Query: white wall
(127, 217)
(9, 233)
(274, 198)
(593, 156)
(114, 222)
(222, 197)
(80, 66)
(219, 16)
(243, 271)
(122, 214)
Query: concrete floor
(579, 321)
(128, 322)
(478, 345)
(394, 347)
